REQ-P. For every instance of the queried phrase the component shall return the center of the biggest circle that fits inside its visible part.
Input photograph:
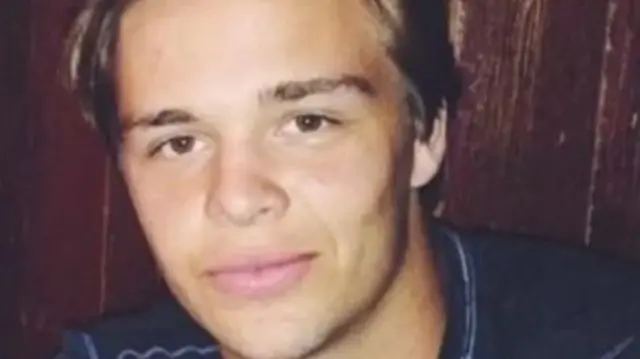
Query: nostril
(263, 211)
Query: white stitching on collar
(189, 349)
(469, 296)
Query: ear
(428, 154)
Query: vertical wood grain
(520, 150)
(62, 243)
(614, 203)
(82, 250)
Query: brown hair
(414, 32)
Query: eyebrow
(162, 118)
(297, 90)
(283, 92)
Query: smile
(261, 277)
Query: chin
(273, 342)
(271, 352)
(285, 348)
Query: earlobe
(429, 154)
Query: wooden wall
(547, 141)
(78, 249)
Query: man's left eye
(177, 146)
(309, 123)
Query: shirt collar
(457, 272)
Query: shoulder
(162, 331)
(536, 299)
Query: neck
(410, 320)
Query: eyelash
(327, 121)
(156, 149)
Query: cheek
(167, 209)
(355, 182)
(350, 195)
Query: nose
(242, 192)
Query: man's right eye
(177, 146)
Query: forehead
(226, 48)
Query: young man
(274, 150)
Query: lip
(260, 276)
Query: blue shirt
(506, 298)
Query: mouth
(261, 276)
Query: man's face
(259, 148)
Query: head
(258, 131)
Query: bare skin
(258, 128)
